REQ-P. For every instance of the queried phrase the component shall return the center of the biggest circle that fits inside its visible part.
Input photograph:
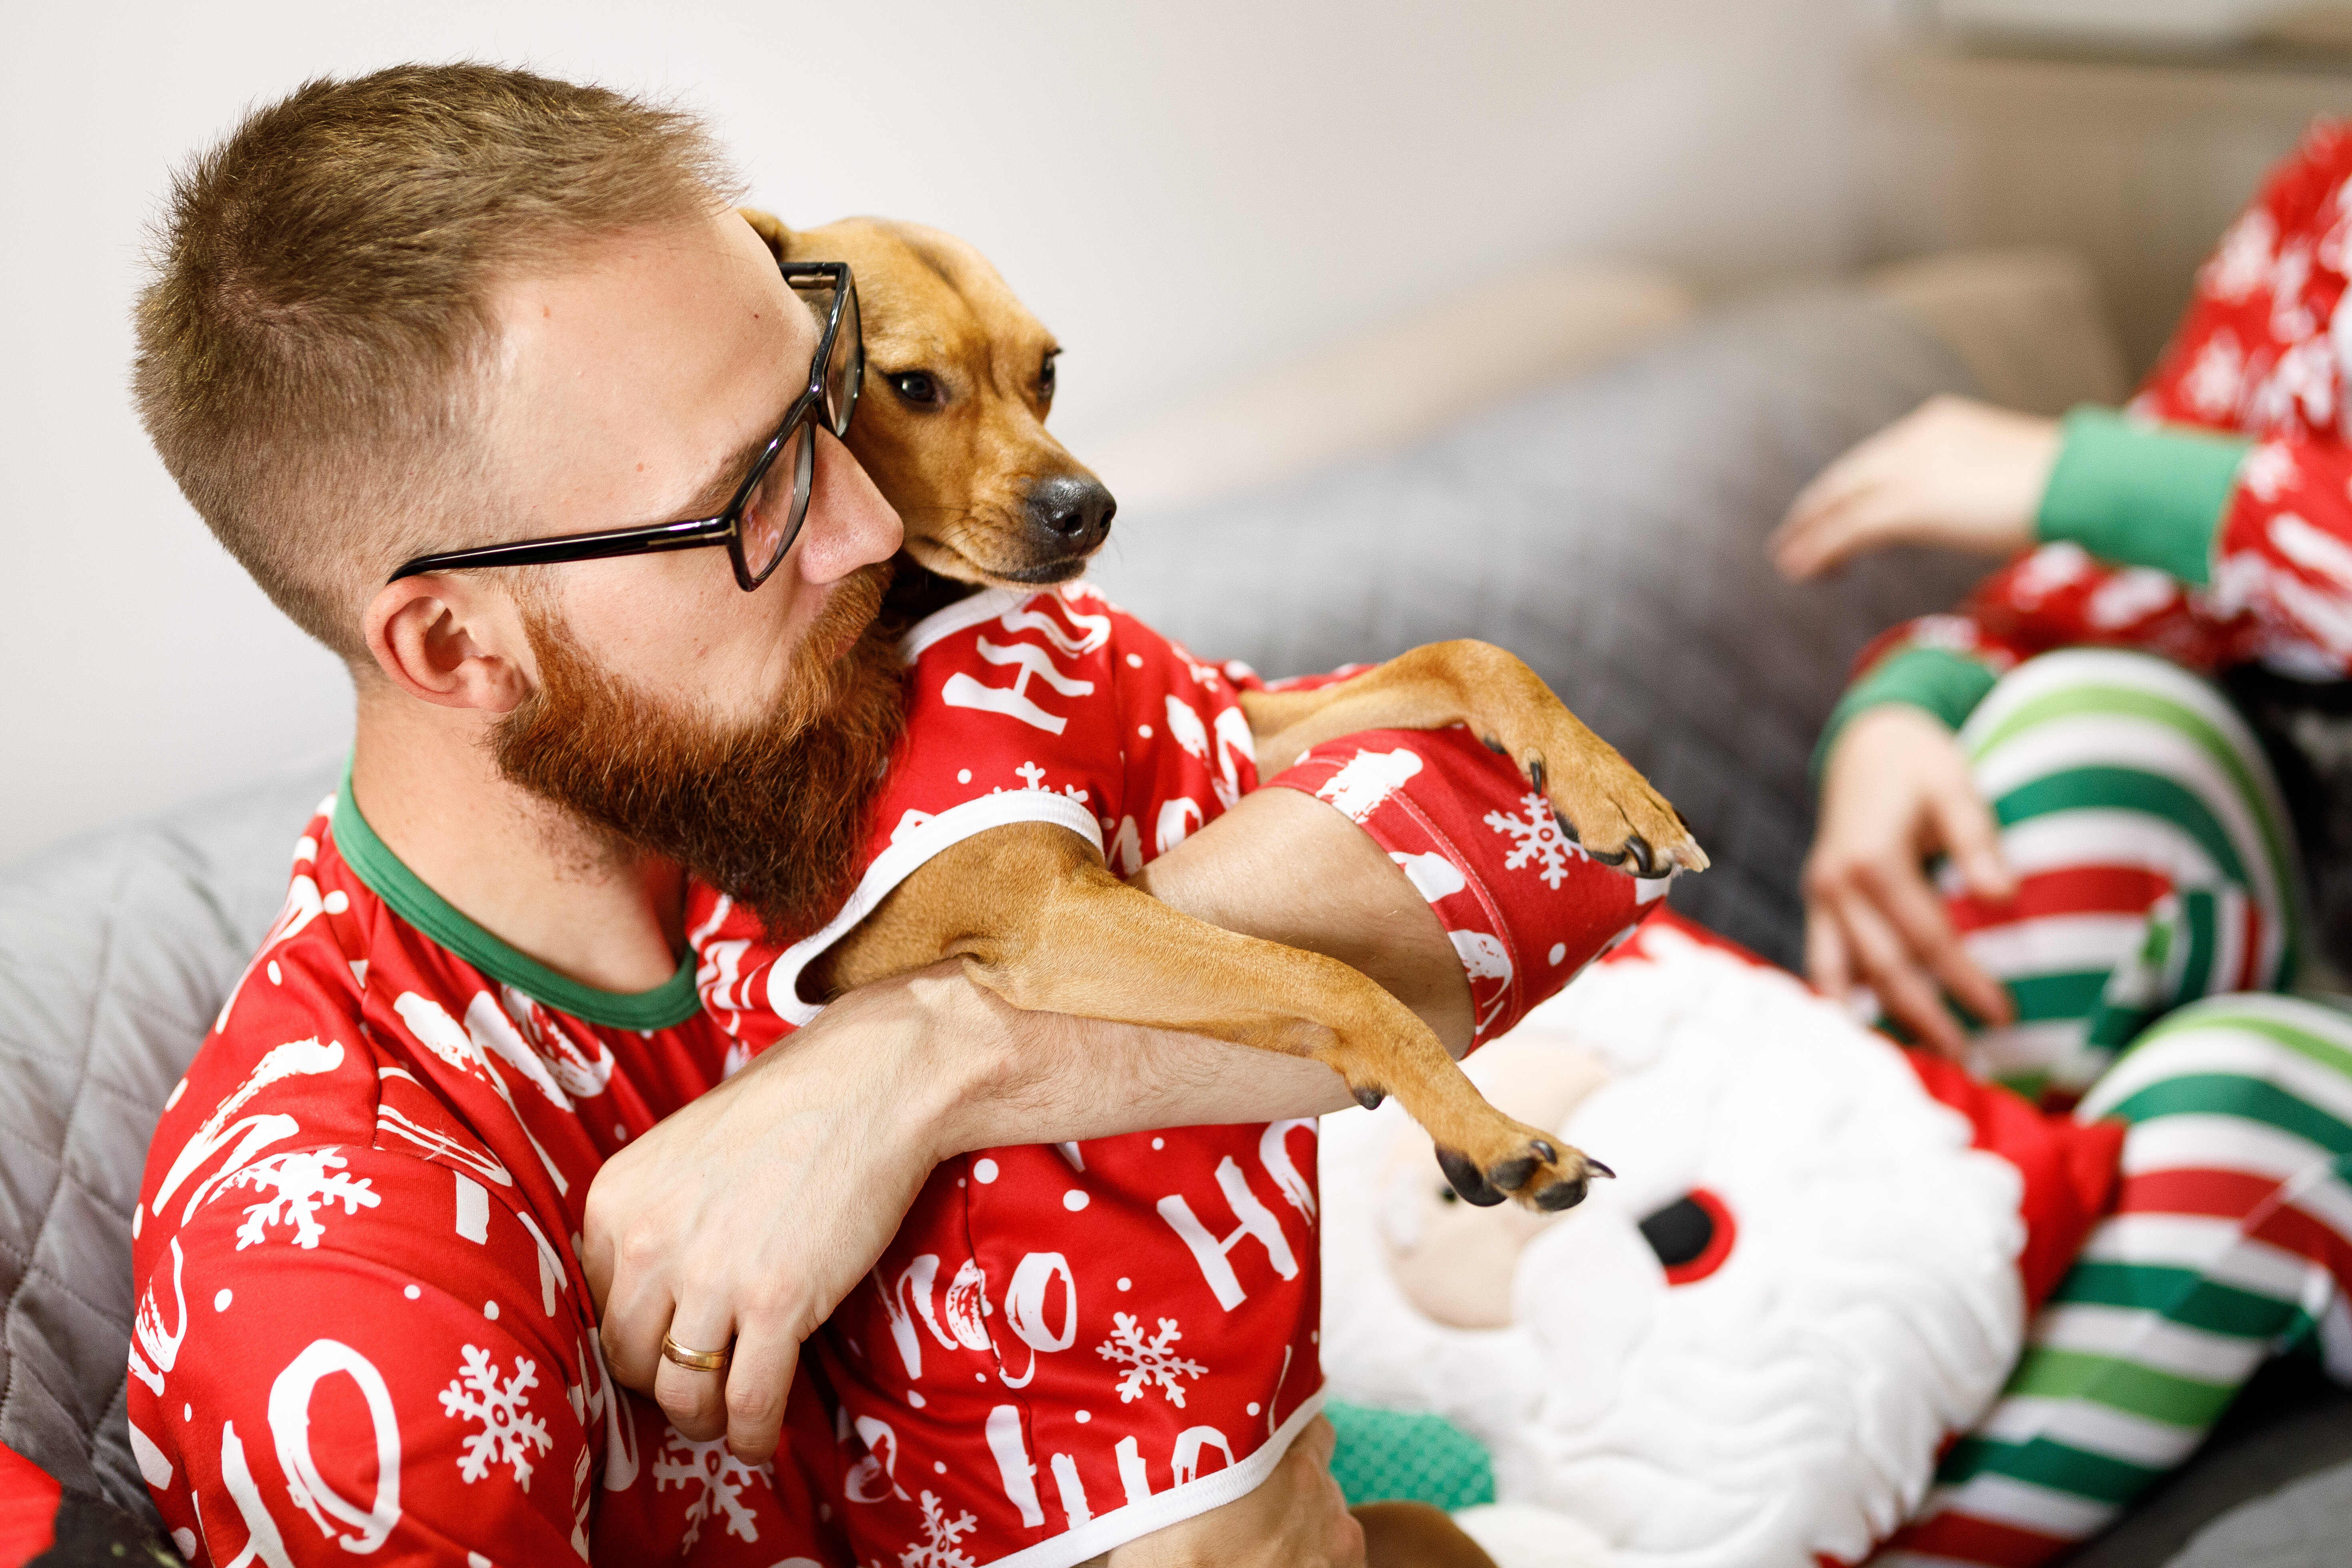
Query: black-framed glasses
(761, 524)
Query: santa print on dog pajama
(361, 1324)
(1067, 1347)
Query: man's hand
(746, 1216)
(1896, 791)
(1953, 472)
(749, 1214)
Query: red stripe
(2306, 1236)
(2074, 891)
(2238, 1196)
(2213, 1194)
(1968, 1539)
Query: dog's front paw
(1603, 804)
(1522, 1162)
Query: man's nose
(849, 524)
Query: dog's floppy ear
(770, 229)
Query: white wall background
(1181, 191)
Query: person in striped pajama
(2154, 869)
(2047, 847)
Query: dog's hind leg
(1600, 801)
(1039, 921)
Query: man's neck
(521, 868)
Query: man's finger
(635, 1313)
(759, 1383)
(694, 1399)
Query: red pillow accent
(28, 1510)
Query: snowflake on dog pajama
(1069, 1346)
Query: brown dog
(951, 429)
(959, 379)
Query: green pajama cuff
(2140, 495)
(1946, 684)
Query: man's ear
(772, 229)
(451, 642)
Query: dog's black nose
(1073, 512)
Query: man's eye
(916, 386)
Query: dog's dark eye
(916, 386)
(1046, 378)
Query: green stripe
(2197, 909)
(2100, 788)
(2120, 1384)
(2042, 998)
(2044, 1462)
(2234, 1094)
(2223, 1016)
(2073, 702)
(2182, 1295)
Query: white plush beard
(1788, 1405)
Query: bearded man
(467, 1089)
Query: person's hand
(1953, 472)
(1896, 791)
(746, 1216)
(1295, 1518)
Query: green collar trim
(665, 1006)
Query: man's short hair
(313, 340)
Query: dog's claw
(1639, 849)
(1545, 1152)
(1608, 858)
(1567, 829)
(1492, 744)
(1465, 1179)
(1596, 1168)
(1536, 774)
(1369, 1097)
(1561, 1195)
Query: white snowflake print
(301, 1183)
(722, 1477)
(938, 1549)
(509, 1435)
(1148, 1362)
(1539, 838)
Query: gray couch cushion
(115, 953)
(1609, 530)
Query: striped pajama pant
(2154, 927)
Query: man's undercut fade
(314, 341)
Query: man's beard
(771, 811)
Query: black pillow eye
(1045, 376)
(1692, 1236)
(918, 387)
(1448, 1195)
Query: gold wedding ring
(700, 1360)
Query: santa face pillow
(1749, 1349)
